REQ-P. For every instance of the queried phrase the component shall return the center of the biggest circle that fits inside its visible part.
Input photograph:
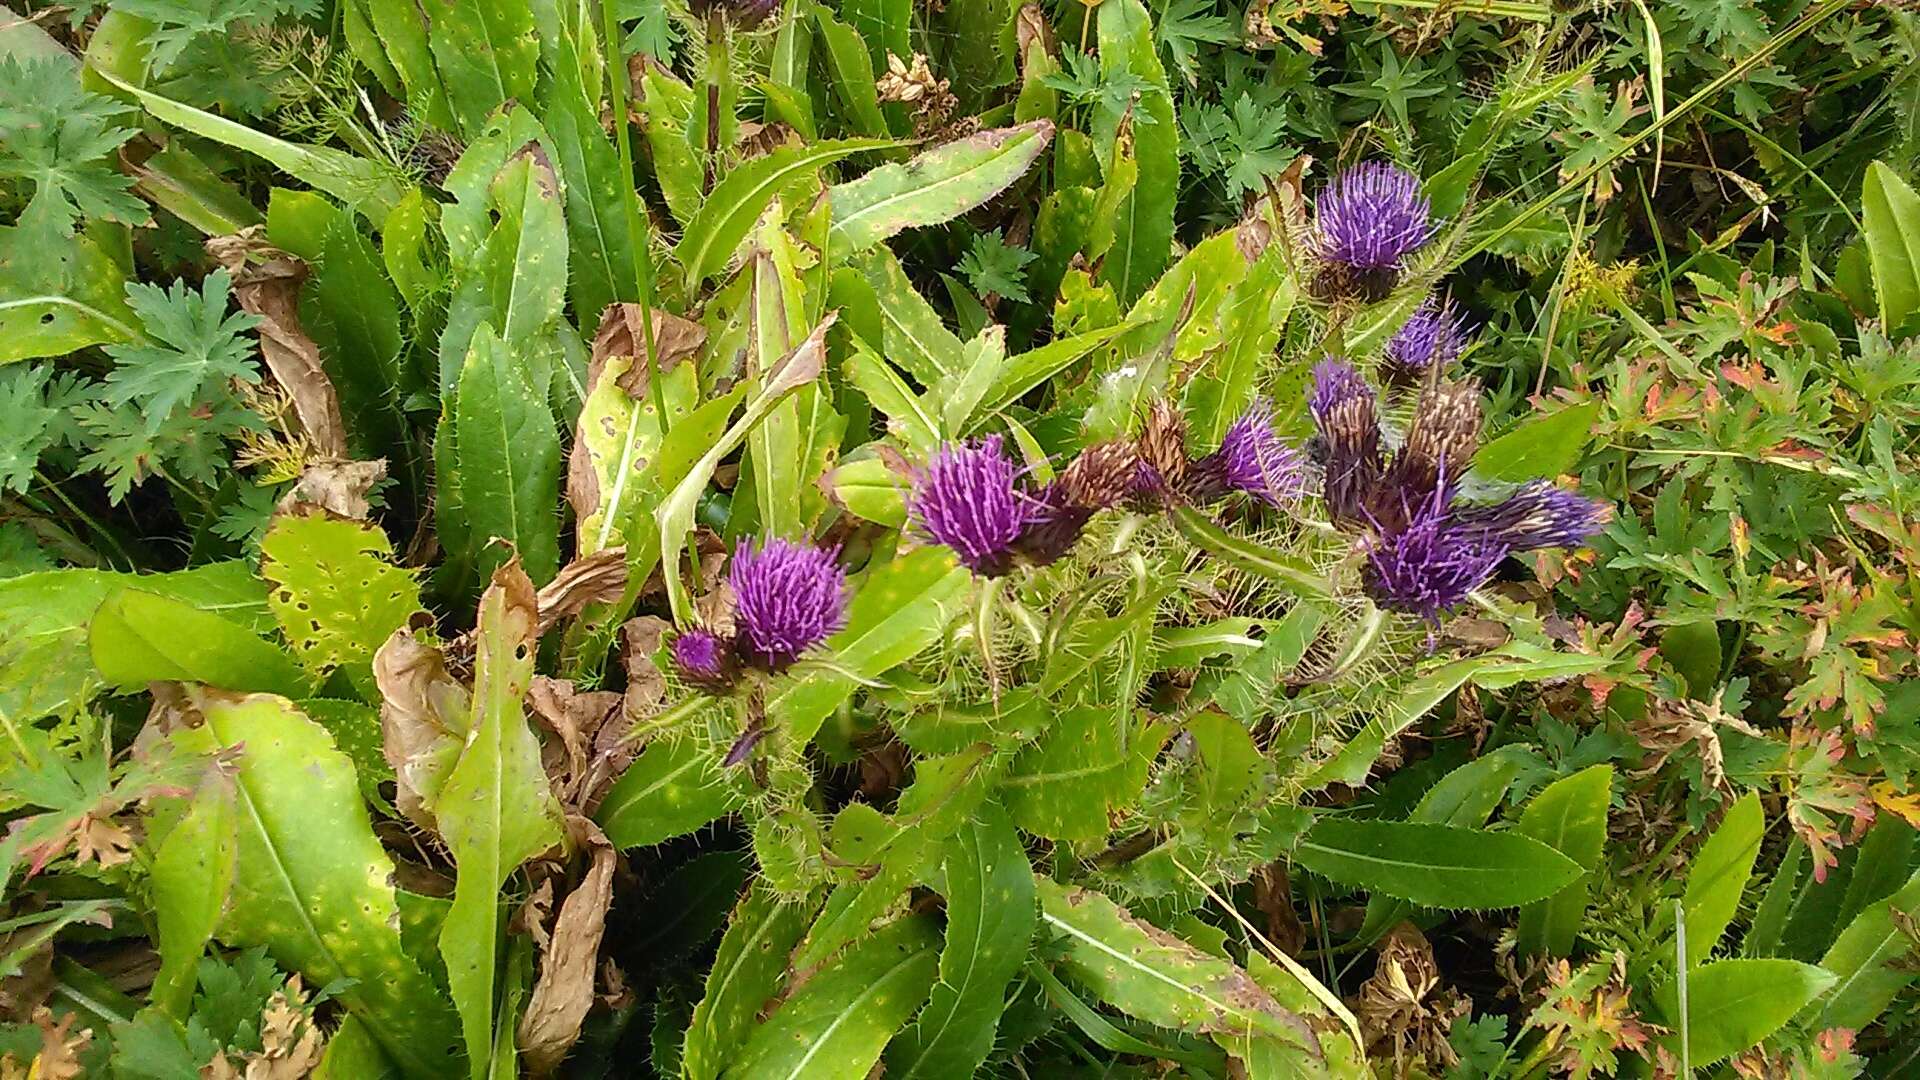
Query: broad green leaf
(1030, 369)
(1569, 815)
(1251, 321)
(1465, 797)
(746, 973)
(312, 884)
(1143, 222)
(1082, 766)
(1869, 960)
(674, 787)
(1156, 977)
(138, 637)
(496, 809)
(401, 26)
(913, 337)
(790, 449)
(850, 68)
(936, 185)
(1733, 1004)
(508, 459)
(1890, 211)
(1694, 651)
(728, 214)
(868, 488)
(602, 254)
(989, 892)
(910, 418)
(353, 313)
(619, 437)
(353, 1054)
(1250, 555)
(59, 290)
(469, 219)
(834, 1026)
(1442, 866)
(1543, 446)
(367, 186)
(336, 592)
(486, 52)
(356, 730)
(184, 185)
(1717, 875)
(899, 609)
(192, 877)
(517, 282)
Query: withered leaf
(574, 716)
(564, 991)
(598, 578)
(271, 290)
(424, 714)
(622, 333)
(339, 487)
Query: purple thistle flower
(705, 661)
(1540, 515)
(1429, 566)
(1336, 382)
(1372, 217)
(965, 498)
(1432, 335)
(788, 597)
(1254, 460)
(1344, 411)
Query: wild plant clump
(839, 539)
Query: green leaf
(728, 214)
(835, 1025)
(787, 451)
(1442, 866)
(1465, 797)
(620, 436)
(913, 336)
(509, 459)
(1869, 959)
(336, 592)
(353, 313)
(746, 973)
(1083, 765)
(192, 877)
(1034, 367)
(312, 884)
(487, 52)
(516, 280)
(674, 787)
(1143, 221)
(851, 70)
(900, 608)
(1154, 976)
(1250, 555)
(196, 348)
(868, 488)
(1733, 1004)
(353, 1054)
(989, 891)
(59, 290)
(937, 185)
(369, 187)
(401, 27)
(44, 665)
(1570, 815)
(1543, 446)
(496, 809)
(1890, 211)
(1718, 875)
(597, 226)
(138, 637)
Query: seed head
(966, 499)
(788, 598)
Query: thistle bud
(1441, 442)
(706, 661)
(1345, 412)
(1432, 336)
(1540, 515)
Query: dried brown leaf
(60, 1046)
(424, 715)
(598, 578)
(339, 487)
(564, 991)
(622, 333)
(575, 717)
(271, 290)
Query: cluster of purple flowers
(1425, 550)
(1366, 223)
(970, 497)
(788, 598)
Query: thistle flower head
(788, 597)
(1254, 460)
(1440, 443)
(966, 499)
(1431, 335)
(1372, 217)
(1430, 565)
(705, 661)
(1540, 515)
(1344, 412)
(1336, 383)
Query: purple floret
(1433, 334)
(1335, 382)
(1540, 515)
(1428, 567)
(705, 660)
(1372, 217)
(966, 499)
(788, 598)
(1254, 460)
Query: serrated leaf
(989, 891)
(1890, 212)
(508, 459)
(313, 885)
(835, 1025)
(1082, 766)
(336, 593)
(1442, 866)
(1733, 1004)
(1543, 446)
(1143, 221)
(496, 808)
(1154, 976)
(674, 787)
(1868, 957)
(746, 973)
(736, 202)
(912, 333)
(1570, 815)
(937, 185)
(487, 52)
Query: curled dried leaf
(564, 991)
(424, 715)
(271, 290)
(598, 578)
